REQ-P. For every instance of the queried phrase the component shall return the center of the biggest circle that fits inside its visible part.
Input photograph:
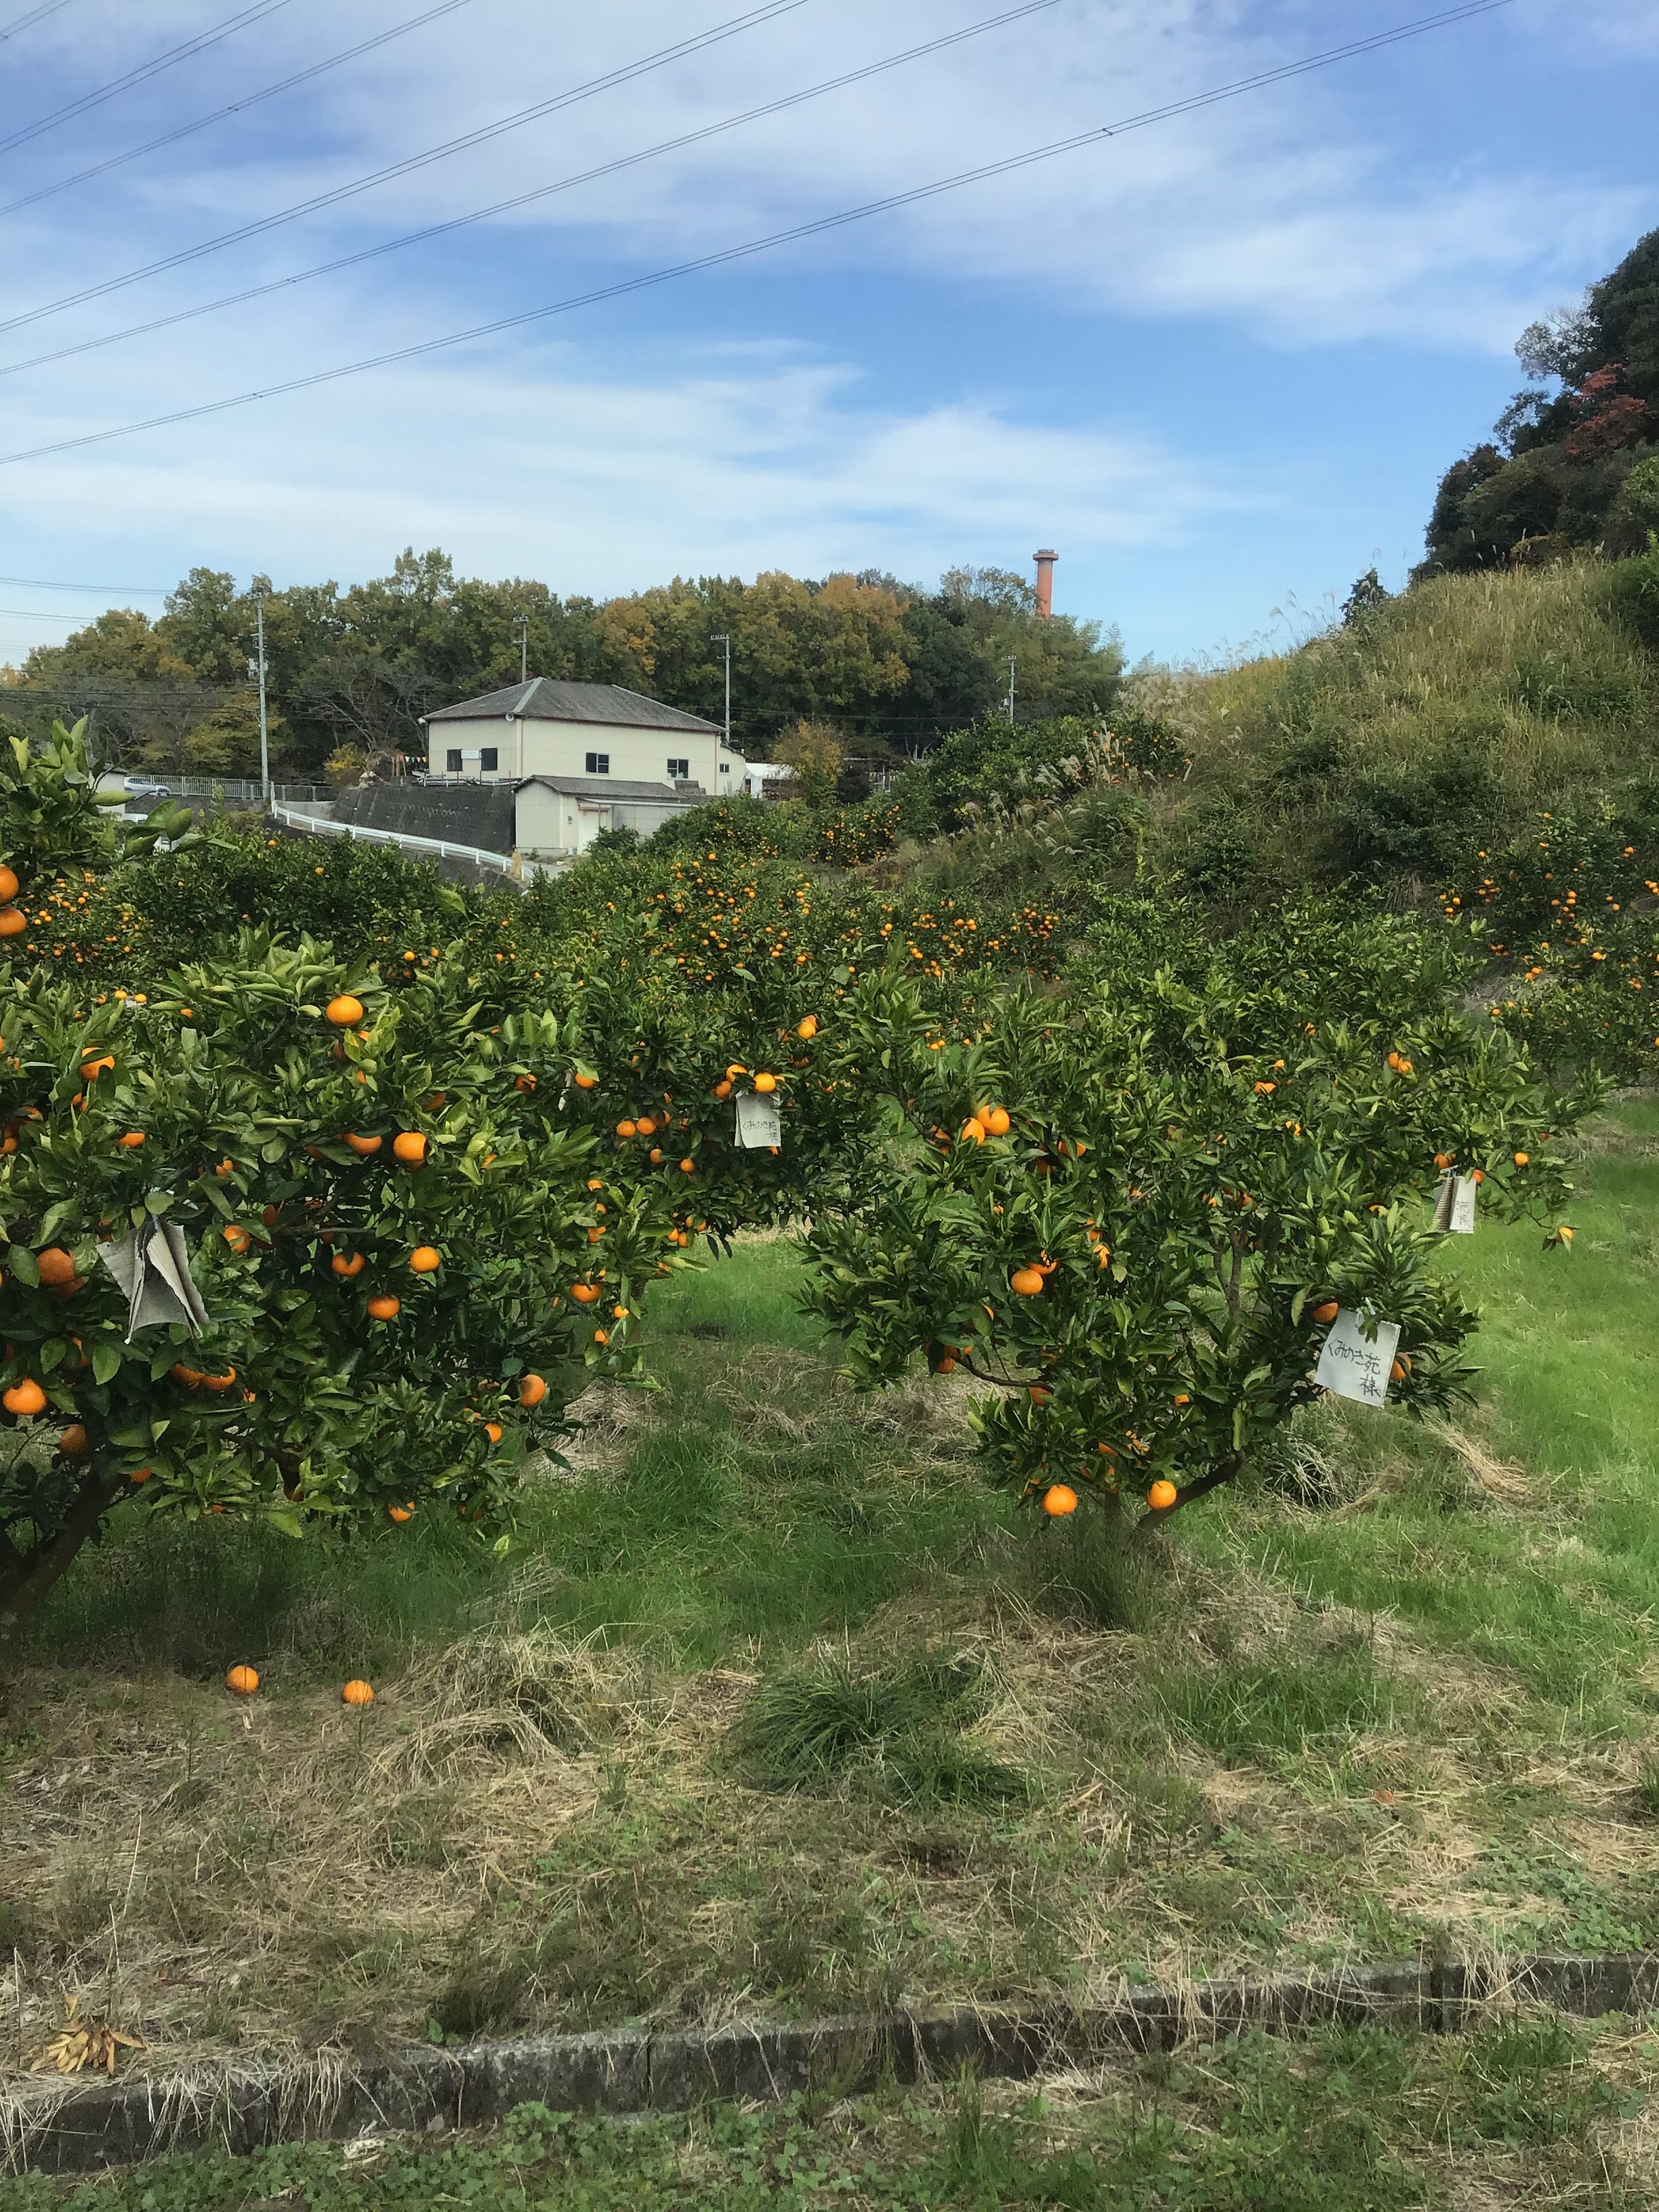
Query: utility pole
(521, 623)
(724, 637)
(1011, 687)
(264, 724)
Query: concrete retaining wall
(72, 2129)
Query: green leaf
(157, 1201)
(106, 1362)
(25, 1266)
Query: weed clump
(899, 1728)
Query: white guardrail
(300, 818)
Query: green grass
(1559, 1593)
(1353, 2122)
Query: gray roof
(544, 699)
(616, 786)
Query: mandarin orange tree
(1132, 1213)
(408, 1257)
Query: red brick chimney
(1045, 584)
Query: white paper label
(757, 1122)
(1355, 1365)
(1454, 1204)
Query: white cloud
(606, 481)
(1305, 213)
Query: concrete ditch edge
(66, 2129)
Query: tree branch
(1223, 1471)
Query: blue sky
(1218, 363)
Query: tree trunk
(26, 1579)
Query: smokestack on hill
(1045, 584)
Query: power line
(725, 255)
(43, 584)
(149, 68)
(625, 76)
(34, 15)
(40, 614)
(235, 106)
(524, 199)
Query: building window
(598, 763)
(489, 760)
(679, 771)
(452, 764)
(725, 768)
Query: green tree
(812, 753)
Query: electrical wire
(724, 256)
(513, 122)
(174, 54)
(234, 107)
(133, 591)
(34, 15)
(526, 199)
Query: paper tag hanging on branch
(757, 1122)
(1355, 1365)
(1454, 1205)
(152, 1265)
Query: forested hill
(889, 665)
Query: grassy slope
(1508, 693)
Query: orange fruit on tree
(1059, 1499)
(132, 1140)
(363, 1146)
(1326, 1313)
(656, 1155)
(646, 1126)
(723, 1090)
(13, 921)
(524, 1083)
(139, 1474)
(238, 1239)
(584, 1081)
(1027, 1282)
(244, 1680)
(348, 1264)
(625, 1128)
(56, 1265)
(807, 1029)
(8, 884)
(688, 1167)
(764, 1083)
(1522, 1158)
(973, 1132)
(400, 1513)
(383, 1306)
(24, 1398)
(996, 1121)
(73, 1443)
(410, 1146)
(585, 1294)
(493, 1430)
(356, 1693)
(532, 1388)
(91, 1069)
(1162, 1496)
(426, 1259)
(345, 1012)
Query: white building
(584, 731)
